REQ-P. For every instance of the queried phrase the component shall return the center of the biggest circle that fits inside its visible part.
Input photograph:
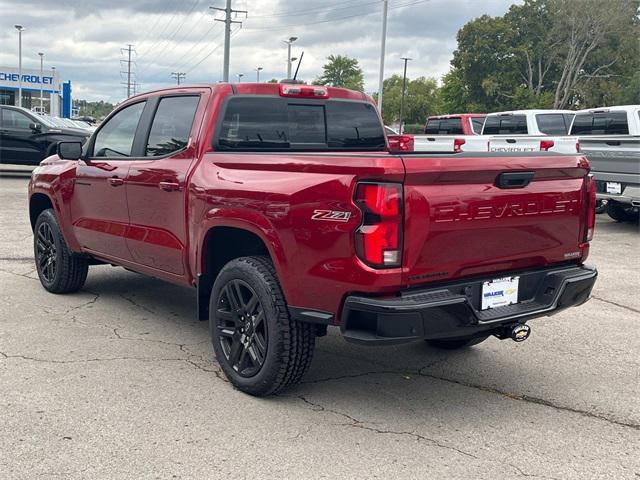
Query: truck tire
(259, 347)
(619, 212)
(457, 343)
(59, 269)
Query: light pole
(289, 60)
(258, 74)
(53, 99)
(240, 75)
(385, 7)
(20, 28)
(404, 82)
(41, 80)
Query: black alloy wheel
(242, 328)
(46, 253)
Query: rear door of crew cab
(98, 199)
(157, 181)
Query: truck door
(18, 142)
(98, 198)
(156, 185)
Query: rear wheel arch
(220, 245)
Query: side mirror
(36, 127)
(69, 150)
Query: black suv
(27, 138)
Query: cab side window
(115, 138)
(171, 125)
(14, 119)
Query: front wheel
(260, 348)
(456, 343)
(59, 269)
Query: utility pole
(20, 28)
(240, 75)
(383, 41)
(404, 82)
(41, 80)
(227, 34)
(129, 51)
(178, 76)
(258, 74)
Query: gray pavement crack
(139, 305)
(95, 298)
(619, 305)
(530, 399)
(355, 423)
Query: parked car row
(610, 137)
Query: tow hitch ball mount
(518, 332)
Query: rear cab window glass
(505, 125)
(444, 126)
(115, 138)
(267, 123)
(171, 125)
(552, 123)
(600, 123)
(476, 124)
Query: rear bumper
(452, 310)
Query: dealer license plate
(499, 292)
(614, 188)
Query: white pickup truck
(610, 137)
(514, 131)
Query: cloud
(83, 39)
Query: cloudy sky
(83, 39)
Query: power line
(233, 34)
(155, 24)
(331, 7)
(360, 15)
(170, 37)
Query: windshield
(48, 121)
(259, 123)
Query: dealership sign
(31, 79)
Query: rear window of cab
(600, 123)
(505, 125)
(260, 123)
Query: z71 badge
(331, 215)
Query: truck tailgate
(459, 222)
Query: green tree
(341, 71)
(421, 100)
(546, 53)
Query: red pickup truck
(283, 206)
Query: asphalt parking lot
(119, 381)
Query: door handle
(514, 179)
(169, 186)
(116, 182)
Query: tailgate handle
(511, 140)
(613, 143)
(514, 179)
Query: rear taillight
(577, 147)
(591, 208)
(400, 143)
(457, 144)
(304, 91)
(379, 237)
(546, 145)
